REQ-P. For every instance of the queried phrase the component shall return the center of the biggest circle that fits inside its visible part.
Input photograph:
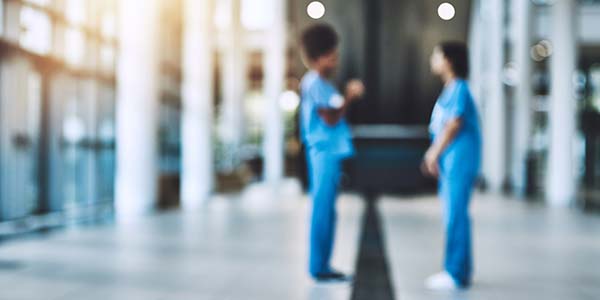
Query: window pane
(1, 17)
(223, 14)
(74, 46)
(255, 16)
(107, 58)
(40, 2)
(109, 25)
(36, 30)
(595, 85)
(76, 11)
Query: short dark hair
(458, 56)
(318, 40)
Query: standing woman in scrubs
(454, 158)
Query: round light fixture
(315, 10)
(446, 11)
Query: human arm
(430, 164)
(338, 104)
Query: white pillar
(233, 88)
(137, 105)
(275, 49)
(197, 94)
(561, 184)
(521, 18)
(494, 107)
(476, 51)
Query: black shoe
(333, 276)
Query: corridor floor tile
(522, 250)
(250, 246)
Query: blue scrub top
(463, 154)
(318, 93)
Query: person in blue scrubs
(454, 158)
(327, 139)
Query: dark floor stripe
(372, 280)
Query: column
(476, 44)
(275, 63)
(494, 107)
(521, 18)
(233, 88)
(561, 184)
(137, 105)
(197, 110)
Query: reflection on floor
(253, 246)
(522, 251)
(247, 247)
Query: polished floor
(522, 250)
(252, 246)
(237, 248)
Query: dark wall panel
(388, 43)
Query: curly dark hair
(318, 40)
(458, 56)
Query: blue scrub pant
(455, 191)
(324, 175)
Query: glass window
(36, 30)
(595, 86)
(109, 23)
(74, 46)
(34, 101)
(223, 14)
(1, 17)
(75, 11)
(254, 16)
(40, 2)
(107, 58)
(80, 121)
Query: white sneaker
(442, 281)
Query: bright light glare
(222, 17)
(109, 25)
(75, 46)
(315, 10)
(289, 101)
(76, 11)
(73, 129)
(36, 34)
(542, 50)
(255, 16)
(446, 11)
(511, 74)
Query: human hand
(355, 89)
(430, 165)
